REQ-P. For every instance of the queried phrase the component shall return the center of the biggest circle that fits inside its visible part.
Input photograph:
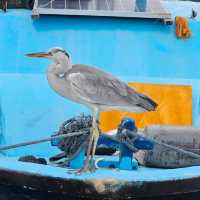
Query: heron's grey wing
(103, 77)
(100, 88)
(94, 89)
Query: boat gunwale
(85, 188)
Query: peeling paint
(106, 185)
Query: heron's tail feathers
(147, 103)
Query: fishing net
(72, 145)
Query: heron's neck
(56, 76)
(65, 63)
(56, 79)
(58, 68)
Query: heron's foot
(84, 169)
(90, 167)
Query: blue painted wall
(134, 50)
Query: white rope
(79, 4)
(121, 4)
(46, 4)
(107, 4)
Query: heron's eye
(50, 54)
(66, 54)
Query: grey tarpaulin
(185, 137)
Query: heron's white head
(57, 54)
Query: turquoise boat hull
(104, 183)
(134, 50)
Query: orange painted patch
(174, 107)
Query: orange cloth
(182, 27)
(174, 107)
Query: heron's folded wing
(99, 89)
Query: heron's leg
(87, 164)
(92, 161)
(95, 140)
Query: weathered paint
(134, 50)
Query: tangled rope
(72, 145)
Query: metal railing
(109, 8)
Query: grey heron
(94, 88)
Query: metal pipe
(177, 149)
(22, 144)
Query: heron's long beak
(38, 55)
